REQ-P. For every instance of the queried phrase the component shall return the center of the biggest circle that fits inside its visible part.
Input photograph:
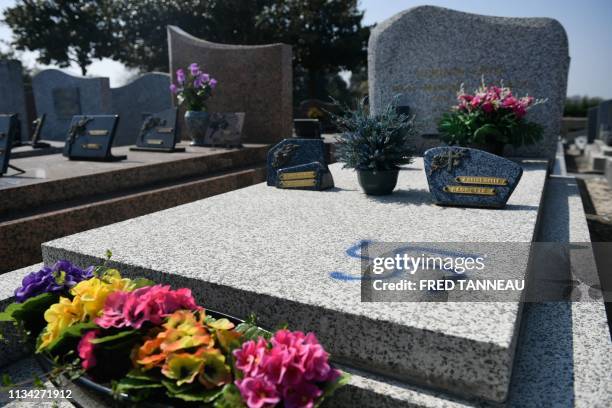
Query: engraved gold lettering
(297, 183)
(164, 130)
(490, 181)
(97, 132)
(91, 146)
(487, 191)
(298, 175)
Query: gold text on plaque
(164, 130)
(488, 191)
(298, 175)
(155, 141)
(98, 132)
(490, 181)
(91, 146)
(297, 183)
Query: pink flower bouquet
(150, 342)
(492, 115)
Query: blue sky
(588, 24)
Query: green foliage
(330, 388)
(374, 142)
(191, 392)
(578, 107)
(472, 128)
(69, 335)
(231, 398)
(30, 313)
(62, 31)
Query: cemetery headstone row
(13, 95)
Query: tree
(62, 31)
(327, 36)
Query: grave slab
(274, 252)
(563, 358)
(54, 178)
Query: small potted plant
(374, 145)
(193, 88)
(489, 119)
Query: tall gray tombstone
(149, 93)
(12, 95)
(425, 53)
(604, 119)
(256, 80)
(592, 123)
(61, 96)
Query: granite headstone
(90, 137)
(158, 133)
(592, 124)
(256, 80)
(149, 93)
(12, 93)
(469, 177)
(299, 163)
(425, 53)
(8, 125)
(604, 121)
(61, 96)
(224, 129)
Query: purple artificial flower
(194, 69)
(61, 276)
(180, 76)
(173, 88)
(205, 77)
(212, 83)
(197, 82)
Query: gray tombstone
(604, 120)
(592, 124)
(147, 94)
(61, 96)
(12, 99)
(256, 80)
(425, 53)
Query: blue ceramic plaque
(90, 137)
(465, 177)
(294, 152)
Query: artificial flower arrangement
(151, 342)
(193, 87)
(490, 118)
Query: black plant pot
(377, 182)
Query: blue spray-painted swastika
(355, 251)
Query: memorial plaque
(299, 163)
(66, 102)
(90, 137)
(225, 129)
(8, 130)
(309, 176)
(158, 133)
(468, 177)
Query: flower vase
(197, 125)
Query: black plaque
(8, 130)
(158, 133)
(90, 137)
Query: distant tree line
(328, 36)
(579, 106)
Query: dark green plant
(374, 142)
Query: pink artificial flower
(250, 355)
(476, 100)
(487, 107)
(146, 304)
(257, 392)
(303, 395)
(509, 102)
(86, 350)
(180, 76)
(276, 363)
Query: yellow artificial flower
(89, 298)
(60, 316)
